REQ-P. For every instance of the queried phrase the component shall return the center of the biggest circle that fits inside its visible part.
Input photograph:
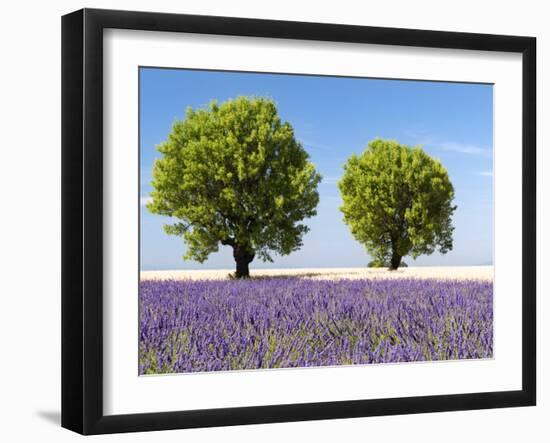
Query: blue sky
(334, 117)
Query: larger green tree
(397, 201)
(234, 174)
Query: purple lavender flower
(196, 326)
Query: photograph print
(293, 221)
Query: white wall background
(30, 219)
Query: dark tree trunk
(395, 261)
(243, 256)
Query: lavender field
(219, 325)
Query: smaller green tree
(234, 174)
(397, 201)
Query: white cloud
(465, 149)
(449, 146)
(309, 145)
(144, 200)
(485, 173)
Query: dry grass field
(484, 273)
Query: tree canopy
(234, 174)
(397, 201)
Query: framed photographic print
(269, 221)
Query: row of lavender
(191, 326)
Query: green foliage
(234, 174)
(397, 201)
(384, 264)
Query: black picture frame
(82, 218)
